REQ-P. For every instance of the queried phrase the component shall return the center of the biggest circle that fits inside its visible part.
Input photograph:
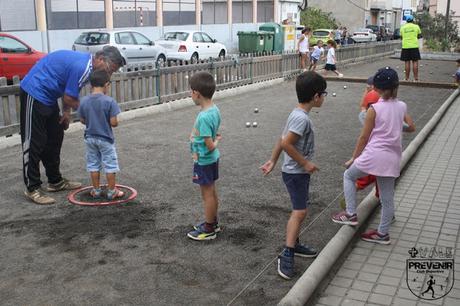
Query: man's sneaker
(217, 228)
(344, 218)
(376, 237)
(39, 198)
(286, 266)
(201, 234)
(304, 251)
(64, 184)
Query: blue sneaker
(304, 251)
(217, 228)
(201, 234)
(286, 266)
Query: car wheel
(222, 54)
(161, 60)
(194, 59)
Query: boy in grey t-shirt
(297, 142)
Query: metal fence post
(157, 82)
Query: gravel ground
(139, 253)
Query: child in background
(457, 74)
(99, 113)
(297, 142)
(378, 152)
(304, 48)
(330, 58)
(316, 55)
(203, 144)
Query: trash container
(250, 42)
(278, 45)
(268, 41)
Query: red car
(16, 57)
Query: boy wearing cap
(410, 33)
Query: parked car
(378, 30)
(135, 47)
(321, 34)
(191, 46)
(364, 35)
(16, 57)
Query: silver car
(133, 46)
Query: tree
(315, 18)
(434, 30)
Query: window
(242, 11)
(265, 11)
(213, 11)
(141, 39)
(14, 19)
(206, 38)
(197, 37)
(179, 12)
(93, 38)
(181, 36)
(124, 38)
(75, 14)
(134, 13)
(10, 45)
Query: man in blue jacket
(61, 74)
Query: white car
(191, 46)
(133, 46)
(364, 35)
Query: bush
(315, 18)
(434, 31)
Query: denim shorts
(205, 175)
(298, 186)
(100, 154)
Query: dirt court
(138, 254)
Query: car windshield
(93, 38)
(182, 36)
(320, 33)
(363, 30)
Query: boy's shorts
(314, 60)
(330, 67)
(205, 175)
(298, 186)
(100, 154)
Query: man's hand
(65, 120)
(310, 167)
(267, 167)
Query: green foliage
(315, 18)
(434, 31)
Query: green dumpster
(278, 41)
(250, 42)
(268, 41)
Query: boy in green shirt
(203, 145)
(410, 33)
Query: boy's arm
(410, 124)
(287, 144)
(270, 164)
(114, 121)
(212, 144)
(364, 136)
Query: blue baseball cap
(386, 78)
(409, 18)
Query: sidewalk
(427, 204)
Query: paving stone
(403, 302)
(341, 282)
(380, 299)
(343, 272)
(357, 295)
(368, 276)
(384, 289)
(388, 280)
(362, 285)
(350, 302)
(330, 300)
(334, 290)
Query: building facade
(54, 24)
(440, 7)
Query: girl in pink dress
(378, 152)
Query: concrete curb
(156, 109)
(306, 285)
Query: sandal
(95, 193)
(114, 193)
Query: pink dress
(382, 154)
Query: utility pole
(447, 21)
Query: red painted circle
(73, 200)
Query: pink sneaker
(376, 237)
(346, 219)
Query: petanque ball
(334, 94)
(256, 110)
(248, 124)
(254, 124)
(344, 86)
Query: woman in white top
(304, 48)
